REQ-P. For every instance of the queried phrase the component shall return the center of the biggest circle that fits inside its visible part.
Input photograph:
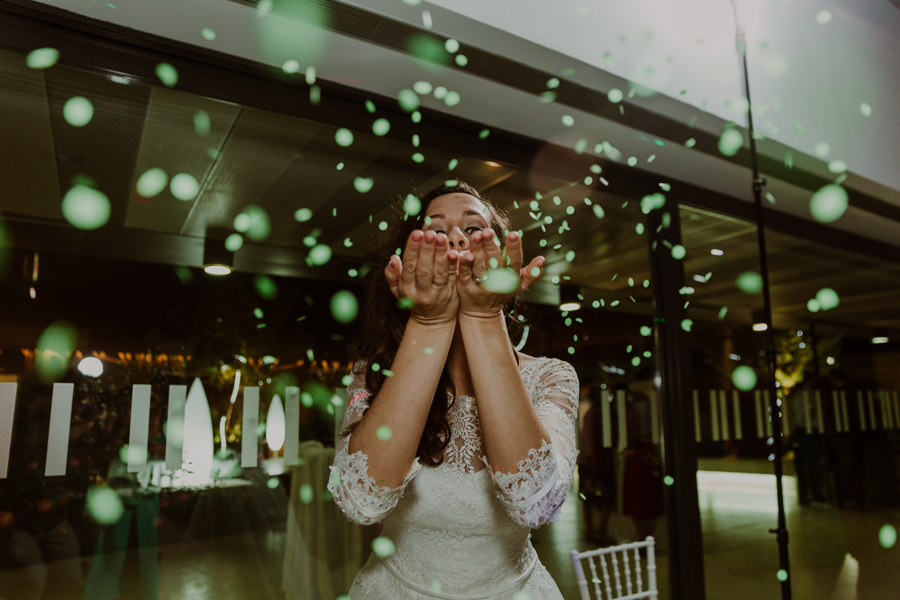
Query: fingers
(411, 258)
(466, 275)
(441, 260)
(493, 254)
(531, 273)
(392, 274)
(453, 267)
(514, 250)
(475, 257)
(425, 266)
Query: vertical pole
(678, 434)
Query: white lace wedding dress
(461, 530)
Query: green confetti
(208, 34)
(568, 120)
(320, 254)
(370, 106)
(829, 203)
(78, 111)
(501, 281)
(344, 306)
(418, 157)
(381, 127)
(668, 480)
(85, 207)
(615, 95)
(865, 109)
(258, 313)
(887, 536)
(632, 160)
(678, 252)
(570, 256)
(412, 205)
(184, 187)
(571, 350)
(813, 306)
(384, 433)
(635, 361)
(254, 221)
(598, 211)
(422, 88)
(722, 312)
(265, 286)
(54, 350)
(302, 215)
(363, 184)
(202, 123)
(552, 83)
(749, 282)
(461, 60)
(408, 100)
(429, 350)
(416, 116)
(730, 142)
(315, 95)
(234, 242)
(405, 303)
(383, 547)
(690, 143)
(452, 164)
(343, 137)
(639, 228)
(167, 74)
(290, 67)
(451, 45)
(827, 298)
(646, 331)
(484, 133)
(535, 271)
(272, 483)
(686, 324)
(781, 575)
(151, 182)
(104, 505)
(306, 490)
(837, 166)
(42, 58)
(744, 378)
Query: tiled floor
(740, 554)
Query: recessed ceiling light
(491, 163)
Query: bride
(438, 385)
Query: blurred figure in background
(642, 481)
(596, 471)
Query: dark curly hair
(383, 322)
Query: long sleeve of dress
(534, 494)
(355, 492)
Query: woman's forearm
(403, 403)
(509, 422)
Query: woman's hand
(427, 275)
(487, 298)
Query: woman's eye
(473, 227)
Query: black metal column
(679, 446)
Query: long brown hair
(383, 321)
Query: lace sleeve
(534, 494)
(358, 495)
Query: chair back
(621, 576)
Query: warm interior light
(491, 163)
(760, 327)
(217, 269)
(570, 306)
(880, 340)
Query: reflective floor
(835, 554)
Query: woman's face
(458, 216)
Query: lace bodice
(464, 527)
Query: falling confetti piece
(568, 120)
(383, 547)
(381, 127)
(665, 187)
(151, 182)
(272, 483)
(451, 45)
(678, 252)
(202, 123)
(167, 74)
(184, 187)
(384, 433)
(265, 286)
(615, 95)
(306, 489)
(290, 67)
(501, 281)
(639, 228)
(370, 106)
(234, 242)
(363, 184)
(744, 378)
(343, 137)
(54, 350)
(770, 197)
(422, 87)
(823, 17)
(344, 306)
(85, 207)
(484, 133)
(320, 254)
(104, 505)
(837, 166)
(412, 205)
(632, 160)
(730, 142)
(887, 536)
(461, 60)
(827, 298)
(303, 214)
(42, 58)
(78, 111)
(408, 100)
(452, 98)
(782, 575)
(722, 312)
(822, 149)
(829, 203)
(686, 324)
(405, 303)
(310, 75)
(749, 282)
(668, 480)
(813, 306)
(865, 109)
(652, 201)
(208, 34)
(690, 143)
(418, 157)
(429, 350)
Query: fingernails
(441, 240)
(417, 235)
(513, 236)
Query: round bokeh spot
(381, 127)
(730, 142)
(104, 505)
(78, 111)
(151, 182)
(54, 350)
(668, 480)
(86, 208)
(42, 58)
(384, 433)
(383, 547)
(363, 184)
(782, 575)
(744, 378)
(501, 281)
(829, 203)
(828, 298)
(615, 95)
(167, 74)
(184, 187)
(343, 137)
(408, 100)
(678, 252)
(344, 306)
(749, 282)
(320, 254)
(813, 305)
(234, 242)
(265, 286)
(887, 536)
(412, 205)
(302, 215)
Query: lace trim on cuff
(537, 474)
(358, 494)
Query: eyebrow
(466, 213)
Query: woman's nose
(458, 240)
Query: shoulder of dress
(546, 364)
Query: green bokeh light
(383, 547)
(306, 490)
(104, 505)
(381, 127)
(887, 536)
(151, 182)
(668, 480)
(384, 433)
(568, 120)
(78, 111)
(749, 282)
(501, 281)
(208, 34)
(598, 211)
(184, 187)
(86, 208)
(202, 123)
(257, 222)
(363, 184)
(744, 378)
(302, 215)
(730, 142)
(54, 350)
(343, 137)
(234, 242)
(302, 31)
(422, 88)
(646, 331)
(828, 298)
(686, 324)
(615, 95)
(408, 100)
(412, 205)
(344, 306)
(451, 46)
(42, 58)
(429, 51)
(813, 305)
(829, 203)
(265, 286)
(678, 252)
(652, 202)
(781, 575)
(167, 74)
(320, 254)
